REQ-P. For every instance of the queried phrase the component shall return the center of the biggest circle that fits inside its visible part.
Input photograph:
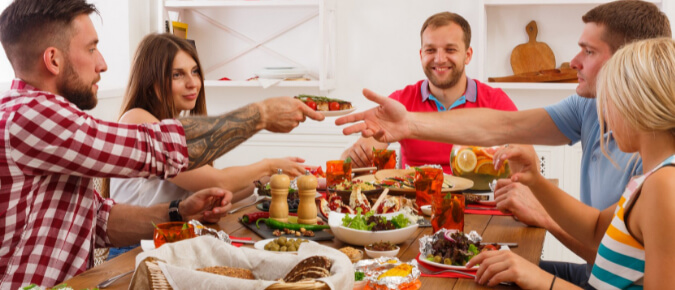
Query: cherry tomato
(311, 104)
(334, 106)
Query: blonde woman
(634, 238)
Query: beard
(450, 82)
(71, 87)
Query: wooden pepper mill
(279, 188)
(307, 192)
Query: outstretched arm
(210, 137)
(390, 122)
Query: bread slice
(313, 267)
(229, 271)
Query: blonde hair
(638, 82)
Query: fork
(429, 272)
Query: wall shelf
(253, 84)
(240, 3)
(550, 2)
(535, 86)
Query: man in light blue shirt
(607, 28)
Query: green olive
(447, 261)
(437, 259)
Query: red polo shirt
(417, 98)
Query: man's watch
(174, 215)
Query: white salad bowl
(362, 238)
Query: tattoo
(210, 137)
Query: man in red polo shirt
(445, 51)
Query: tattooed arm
(210, 137)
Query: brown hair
(628, 20)
(150, 79)
(446, 18)
(28, 27)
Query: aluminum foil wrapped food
(201, 230)
(389, 273)
(426, 242)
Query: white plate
(453, 267)
(260, 245)
(362, 238)
(337, 113)
(444, 266)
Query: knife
(510, 245)
(250, 242)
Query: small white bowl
(377, 254)
(426, 210)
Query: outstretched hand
(207, 205)
(291, 166)
(387, 122)
(282, 114)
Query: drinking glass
(428, 181)
(172, 232)
(337, 171)
(447, 211)
(384, 159)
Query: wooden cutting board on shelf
(532, 56)
(564, 74)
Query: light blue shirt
(601, 182)
(470, 95)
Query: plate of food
(451, 249)
(358, 229)
(329, 107)
(403, 181)
(281, 244)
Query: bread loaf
(313, 267)
(229, 271)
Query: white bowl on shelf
(362, 238)
(376, 254)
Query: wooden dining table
(492, 228)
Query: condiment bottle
(279, 188)
(307, 193)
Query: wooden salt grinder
(307, 192)
(279, 188)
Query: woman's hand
(506, 266)
(207, 205)
(292, 166)
(523, 163)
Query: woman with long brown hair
(165, 82)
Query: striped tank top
(620, 262)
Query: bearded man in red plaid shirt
(51, 219)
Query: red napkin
(239, 238)
(488, 210)
(443, 275)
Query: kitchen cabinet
(237, 39)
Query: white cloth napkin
(183, 257)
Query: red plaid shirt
(51, 218)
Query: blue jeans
(114, 252)
(577, 274)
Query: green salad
(370, 222)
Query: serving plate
(337, 113)
(457, 183)
(455, 267)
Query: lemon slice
(466, 160)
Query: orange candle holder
(384, 159)
(172, 232)
(337, 171)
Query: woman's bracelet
(553, 282)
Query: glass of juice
(337, 171)
(447, 211)
(428, 182)
(384, 159)
(172, 232)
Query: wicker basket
(158, 280)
